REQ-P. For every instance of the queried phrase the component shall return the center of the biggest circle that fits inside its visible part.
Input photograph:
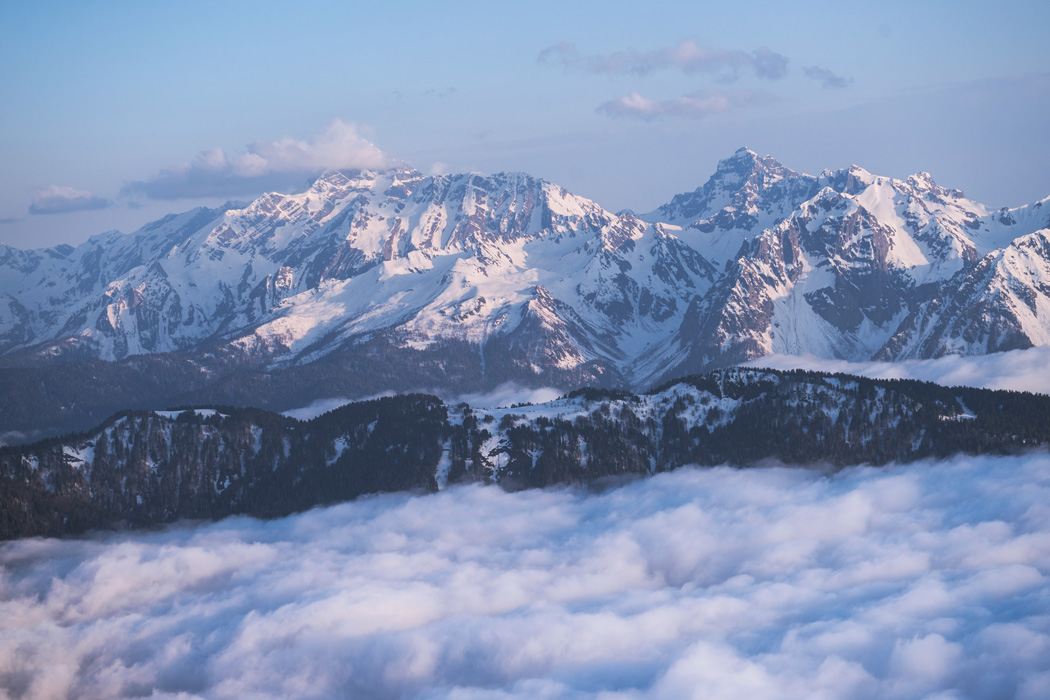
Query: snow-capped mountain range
(508, 277)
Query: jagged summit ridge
(744, 185)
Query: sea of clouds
(919, 581)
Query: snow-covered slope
(538, 285)
(857, 269)
(1002, 303)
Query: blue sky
(107, 107)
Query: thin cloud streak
(686, 56)
(827, 78)
(697, 105)
(889, 583)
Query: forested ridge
(141, 468)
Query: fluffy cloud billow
(62, 200)
(263, 165)
(922, 581)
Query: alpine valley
(373, 281)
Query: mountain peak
(742, 186)
(330, 180)
(340, 176)
(742, 159)
(924, 183)
(923, 180)
(851, 180)
(745, 164)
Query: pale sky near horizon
(114, 114)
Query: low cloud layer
(264, 165)
(697, 105)
(1016, 370)
(686, 56)
(62, 200)
(827, 78)
(921, 581)
(506, 394)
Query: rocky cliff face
(394, 280)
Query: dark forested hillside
(144, 467)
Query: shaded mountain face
(391, 280)
(150, 467)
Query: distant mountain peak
(922, 177)
(745, 161)
(742, 155)
(746, 190)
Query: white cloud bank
(508, 394)
(62, 200)
(1016, 370)
(263, 165)
(922, 581)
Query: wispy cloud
(441, 93)
(61, 200)
(263, 165)
(10, 220)
(686, 56)
(693, 106)
(826, 78)
(718, 583)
